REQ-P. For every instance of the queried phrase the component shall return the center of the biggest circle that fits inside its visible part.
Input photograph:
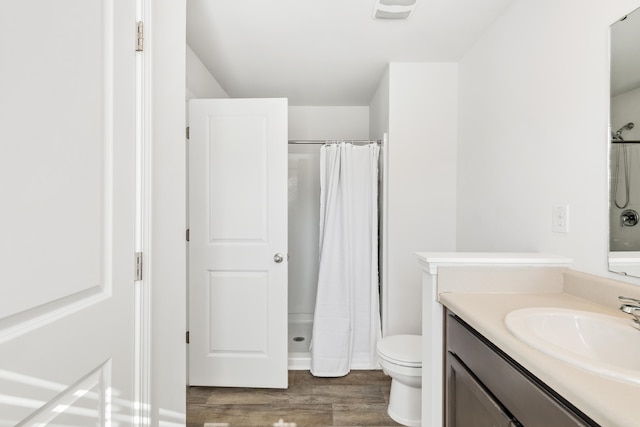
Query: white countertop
(609, 402)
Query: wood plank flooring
(358, 399)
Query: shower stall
(304, 217)
(304, 231)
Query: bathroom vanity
(484, 386)
(485, 369)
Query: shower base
(300, 327)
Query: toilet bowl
(401, 358)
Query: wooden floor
(358, 399)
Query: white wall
(625, 108)
(533, 131)
(199, 81)
(329, 122)
(378, 127)
(379, 109)
(421, 177)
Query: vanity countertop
(609, 402)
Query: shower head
(618, 134)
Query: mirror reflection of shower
(624, 138)
(624, 152)
(618, 135)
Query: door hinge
(138, 266)
(187, 132)
(187, 337)
(140, 36)
(187, 235)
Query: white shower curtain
(346, 325)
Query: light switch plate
(560, 220)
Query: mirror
(624, 159)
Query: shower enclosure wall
(624, 208)
(304, 219)
(624, 229)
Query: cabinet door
(468, 403)
(509, 383)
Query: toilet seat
(402, 350)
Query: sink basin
(602, 344)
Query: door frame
(162, 306)
(143, 327)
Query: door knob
(278, 258)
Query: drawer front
(530, 404)
(468, 402)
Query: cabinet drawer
(469, 403)
(510, 383)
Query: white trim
(165, 256)
(384, 231)
(142, 357)
(96, 385)
(29, 320)
(432, 260)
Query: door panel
(45, 151)
(67, 178)
(237, 178)
(238, 222)
(243, 337)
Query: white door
(67, 211)
(238, 242)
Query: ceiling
(325, 52)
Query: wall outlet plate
(560, 220)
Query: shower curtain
(346, 325)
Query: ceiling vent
(393, 9)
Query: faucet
(631, 306)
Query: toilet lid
(404, 350)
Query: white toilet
(401, 358)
